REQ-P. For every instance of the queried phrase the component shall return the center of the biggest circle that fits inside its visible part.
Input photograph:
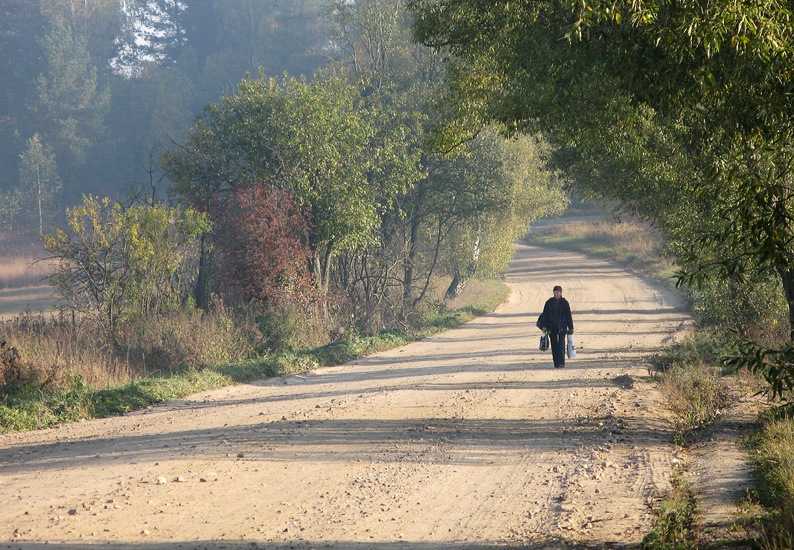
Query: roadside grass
(693, 383)
(772, 453)
(674, 517)
(40, 398)
(696, 391)
(696, 397)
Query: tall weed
(675, 516)
(695, 395)
(290, 327)
(189, 339)
(773, 455)
(59, 348)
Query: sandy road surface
(468, 439)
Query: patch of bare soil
(469, 439)
(720, 474)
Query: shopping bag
(571, 346)
(544, 342)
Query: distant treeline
(92, 91)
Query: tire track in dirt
(468, 439)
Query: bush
(705, 348)
(286, 326)
(116, 262)
(757, 308)
(190, 339)
(12, 372)
(695, 395)
(691, 383)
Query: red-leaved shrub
(262, 241)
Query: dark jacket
(557, 316)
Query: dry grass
(55, 348)
(696, 395)
(638, 238)
(59, 347)
(23, 271)
(19, 261)
(631, 242)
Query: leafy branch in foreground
(776, 365)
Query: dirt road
(467, 440)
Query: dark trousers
(557, 344)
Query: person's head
(558, 291)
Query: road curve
(468, 439)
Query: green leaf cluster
(309, 137)
(116, 263)
(679, 110)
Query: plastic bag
(544, 342)
(571, 346)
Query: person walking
(557, 320)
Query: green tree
(69, 101)
(154, 32)
(116, 264)
(9, 210)
(20, 62)
(373, 38)
(484, 200)
(97, 22)
(310, 138)
(444, 217)
(40, 184)
(679, 109)
(278, 36)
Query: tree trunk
(787, 277)
(455, 287)
(462, 277)
(410, 261)
(201, 294)
(413, 246)
(38, 183)
(321, 265)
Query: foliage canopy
(680, 110)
